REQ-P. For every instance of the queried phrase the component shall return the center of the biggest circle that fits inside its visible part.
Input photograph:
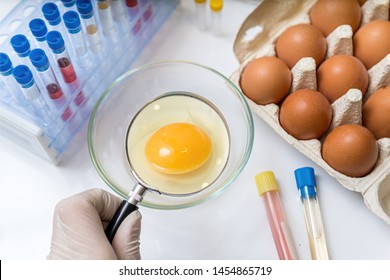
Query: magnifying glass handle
(123, 211)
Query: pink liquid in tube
(268, 190)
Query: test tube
(216, 10)
(85, 10)
(68, 3)
(73, 24)
(306, 184)
(118, 12)
(132, 8)
(52, 15)
(31, 92)
(21, 46)
(6, 70)
(45, 72)
(106, 19)
(39, 30)
(269, 190)
(61, 55)
(200, 11)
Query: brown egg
(266, 80)
(351, 149)
(376, 113)
(338, 74)
(298, 41)
(371, 43)
(305, 114)
(329, 14)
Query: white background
(232, 226)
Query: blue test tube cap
(54, 40)
(72, 22)
(306, 181)
(23, 76)
(38, 29)
(68, 3)
(20, 44)
(39, 59)
(51, 13)
(84, 7)
(5, 64)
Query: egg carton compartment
(120, 45)
(256, 38)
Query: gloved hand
(78, 228)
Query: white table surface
(232, 226)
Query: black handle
(123, 211)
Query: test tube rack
(95, 73)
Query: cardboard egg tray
(256, 38)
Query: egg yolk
(178, 148)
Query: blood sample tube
(31, 92)
(52, 15)
(73, 24)
(132, 8)
(84, 7)
(46, 75)
(6, 70)
(61, 55)
(106, 19)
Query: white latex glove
(78, 228)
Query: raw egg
(376, 113)
(266, 80)
(371, 43)
(305, 114)
(351, 149)
(178, 143)
(329, 14)
(339, 73)
(178, 148)
(299, 41)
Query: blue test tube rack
(95, 71)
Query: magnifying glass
(176, 145)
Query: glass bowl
(119, 104)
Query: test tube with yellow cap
(216, 10)
(269, 191)
(200, 10)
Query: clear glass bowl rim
(232, 177)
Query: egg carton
(256, 38)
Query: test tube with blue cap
(68, 3)
(85, 9)
(25, 79)
(61, 55)
(306, 184)
(73, 24)
(45, 72)
(38, 28)
(21, 46)
(6, 70)
(52, 15)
